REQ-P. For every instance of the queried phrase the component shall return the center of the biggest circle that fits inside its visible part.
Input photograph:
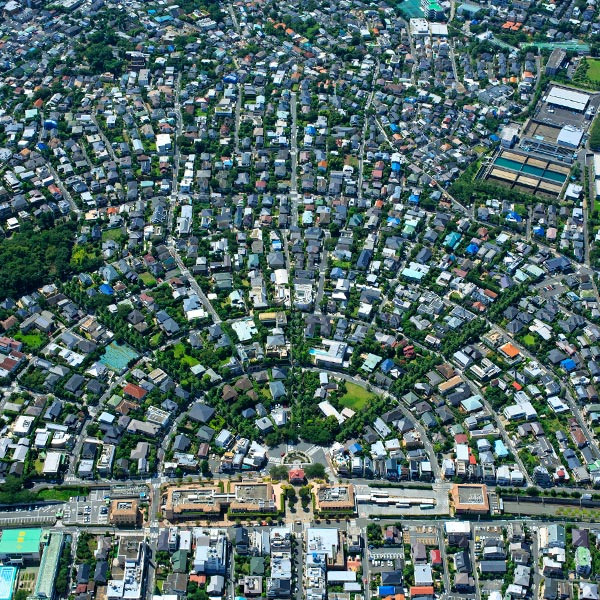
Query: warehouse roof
(568, 98)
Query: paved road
(66, 195)
(194, 285)
(361, 151)
(294, 160)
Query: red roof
(436, 557)
(296, 475)
(135, 391)
(421, 590)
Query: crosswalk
(278, 460)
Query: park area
(588, 73)
(356, 397)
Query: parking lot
(86, 510)
(552, 286)
(32, 515)
(385, 557)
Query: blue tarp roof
(568, 364)
(538, 231)
(494, 138)
(472, 249)
(106, 289)
(355, 448)
(414, 198)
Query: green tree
(205, 468)
(278, 472)
(315, 471)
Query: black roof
(83, 573)
(101, 571)
(201, 413)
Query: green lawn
(155, 340)
(356, 397)
(593, 69)
(588, 74)
(115, 234)
(63, 494)
(33, 341)
(529, 340)
(147, 279)
(179, 352)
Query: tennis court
(411, 9)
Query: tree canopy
(30, 259)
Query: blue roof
(393, 221)
(472, 248)
(513, 216)
(355, 448)
(538, 231)
(106, 289)
(568, 364)
(387, 590)
(396, 166)
(500, 449)
(387, 365)
(494, 138)
(394, 127)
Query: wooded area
(30, 259)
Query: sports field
(588, 73)
(593, 69)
